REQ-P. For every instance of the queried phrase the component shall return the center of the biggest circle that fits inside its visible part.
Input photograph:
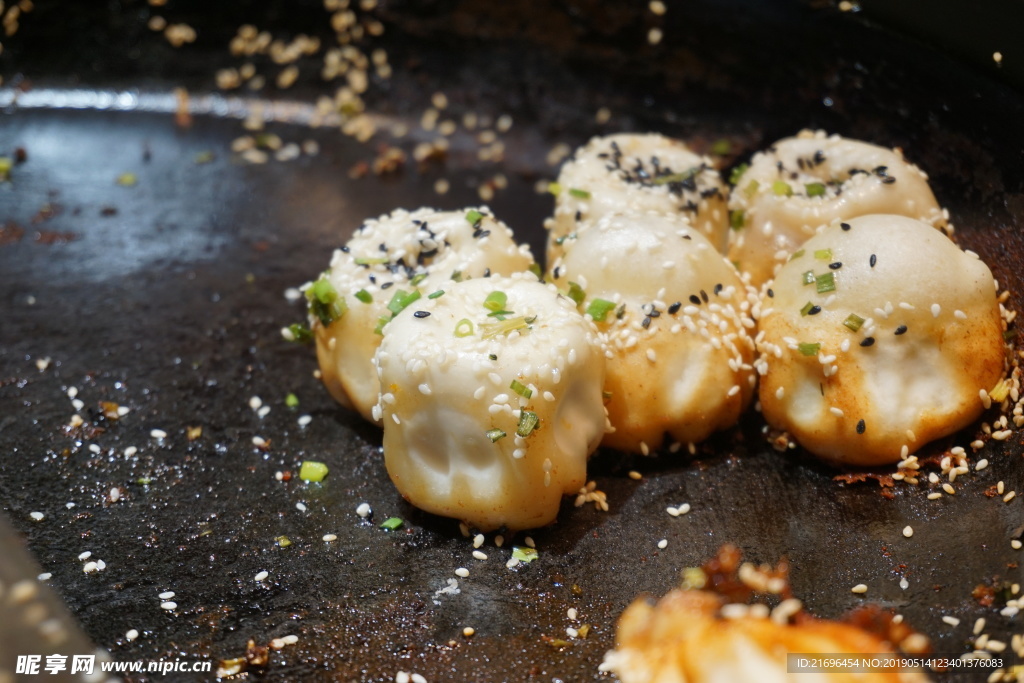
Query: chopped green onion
(500, 315)
(524, 553)
(823, 254)
(535, 270)
(598, 309)
(392, 523)
(576, 293)
(434, 295)
(416, 279)
(490, 330)
(457, 275)
(807, 308)
(495, 435)
(381, 322)
(721, 147)
(401, 299)
(363, 261)
(474, 217)
(675, 177)
(291, 400)
(496, 301)
(521, 389)
(492, 356)
(6, 164)
(127, 179)
(578, 194)
(782, 188)
(283, 541)
(312, 470)
(737, 219)
(145, 481)
(853, 321)
(555, 189)
(737, 173)
(364, 296)
(528, 421)
(809, 349)
(606, 395)
(815, 189)
(826, 283)
(324, 301)
(797, 254)
(808, 278)
(299, 333)
(751, 189)
(464, 328)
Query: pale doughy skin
(774, 225)
(345, 348)
(683, 639)
(930, 341)
(638, 173)
(680, 356)
(442, 392)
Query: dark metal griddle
(167, 297)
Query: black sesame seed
(558, 272)
(900, 330)
(873, 260)
(861, 427)
(382, 246)
(487, 272)
(814, 310)
(718, 288)
(771, 293)
(421, 314)
(386, 285)
(695, 300)
(646, 322)
(674, 308)
(704, 296)
(344, 250)
(836, 266)
(888, 180)
(579, 216)
(867, 341)
(687, 237)
(844, 226)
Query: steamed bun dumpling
(389, 263)
(675, 319)
(637, 173)
(813, 179)
(491, 400)
(879, 333)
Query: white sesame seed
(45, 576)
(859, 588)
(263, 412)
(85, 556)
(633, 474)
(908, 531)
(37, 516)
(166, 595)
(259, 441)
(663, 543)
(168, 606)
(77, 404)
(255, 402)
(115, 494)
(684, 508)
(952, 621)
(158, 433)
(1015, 544)
(330, 538)
(480, 555)
(417, 678)
(1000, 487)
(572, 614)
(478, 540)
(571, 632)
(131, 635)
(948, 489)
(462, 572)
(290, 640)
(301, 507)
(836, 411)
(499, 540)
(1009, 496)
(904, 584)
(936, 309)
(982, 464)
(674, 511)
(363, 510)
(934, 496)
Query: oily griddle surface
(167, 297)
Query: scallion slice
(808, 277)
(473, 217)
(434, 295)
(524, 553)
(823, 254)
(521, 389)
(576, 293)
(496, 301)
(737, 219)
(782, 188)
(528, 422)
(598, 309)
(737, 173)
(495, 435)
(464, 328)
(392, 523)
(364, 296)
(578, 193)
(809, 349)
(312, 470)
(826, 282)
(853, 321)
(815, 189)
